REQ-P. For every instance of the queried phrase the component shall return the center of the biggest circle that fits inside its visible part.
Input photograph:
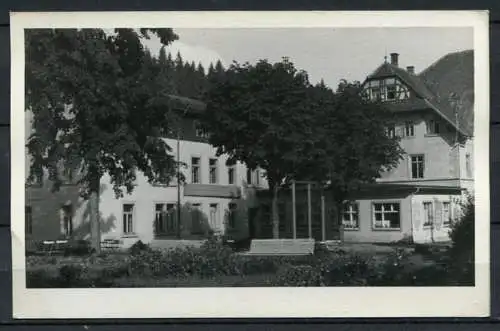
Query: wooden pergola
(309, 210)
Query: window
(28, 220)
(249, 176)
(409, 129)
(391, 131)
(417, 166)
(433, 127)
(165, 218)
(388, 89)
(200, 131)
(197, 218)
(231, 174)
(231, 221)
(128, 218)
(195, 170)
(428, 214)
(213, 171)
(391, 92)
(468, 168)
(257, 177)
(386, 216)
(350, 218)
(213, 214)
(446, 214)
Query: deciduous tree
(260, 115)
(98, 105)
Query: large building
(434, 109)
(417, 200)
(213, 198)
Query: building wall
(440, 157)
(366, 231)
(439, 232)
(145, 196)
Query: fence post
(323, 223)
(309, 207)
(294, 212)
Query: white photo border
(287, 302)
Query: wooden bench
(111, 244)
(53, 246)
(281, 247)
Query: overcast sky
(331, 54)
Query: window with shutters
(428, 214)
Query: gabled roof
(446, 86)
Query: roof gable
(447, 86)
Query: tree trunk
(340, 224)
(95, 224)
(275, 214)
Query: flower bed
(214, 264)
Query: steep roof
(446, 86)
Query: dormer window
(386, 89)
(200, 131)
(433, 127)
(391, 131)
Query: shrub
(138, 247)
(301, 275)
(423, 249)
(461, 253)
(77, 248)
(392, 271)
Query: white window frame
(433, 127)
(257, 175)
(200, 132)
(213, 215)
(417, 163)
(215, 168)
(446, 222)
(429, 219)
(198, 167)
(390, 131)
(382, 228)
(130, 221)
(350, 217)
(409, 129)
(169, 214)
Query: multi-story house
(434, 120)
(213, 197)
(416, 201)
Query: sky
(329, 54)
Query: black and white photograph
(301, 164)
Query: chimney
(411, 70)
(394, 59)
